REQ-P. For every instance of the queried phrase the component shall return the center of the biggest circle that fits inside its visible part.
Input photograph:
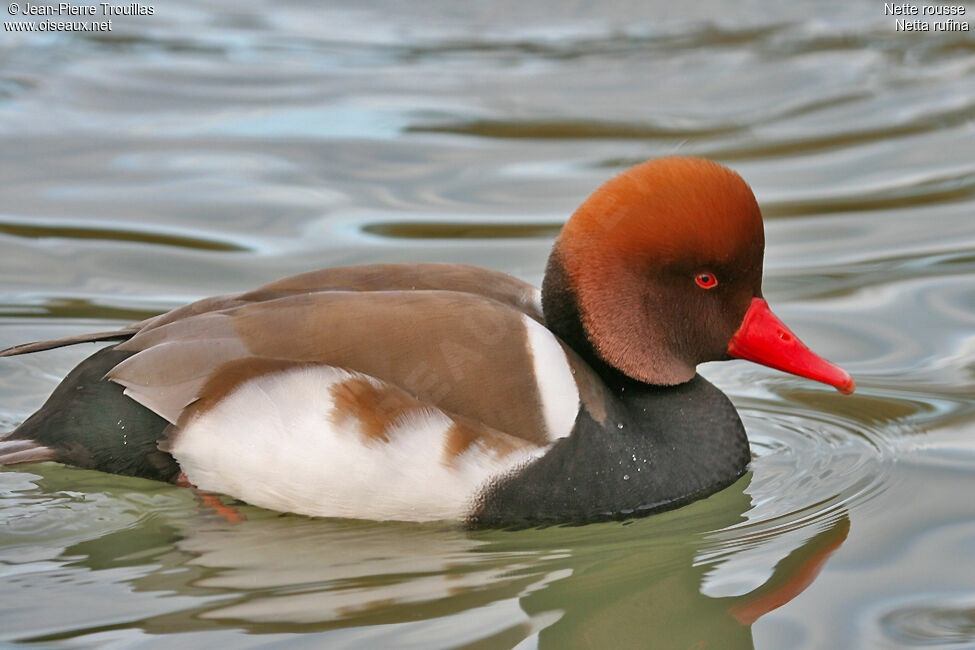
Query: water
(208, 149)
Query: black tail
(87, 421)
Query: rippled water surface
(215, 146)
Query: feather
(40, 346)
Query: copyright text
(82, 17)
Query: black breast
(659, 448)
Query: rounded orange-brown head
(656, 271)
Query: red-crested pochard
(444, 391)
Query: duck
(427, 392)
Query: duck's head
(661, 269)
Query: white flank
(557, 388)
(273, 442)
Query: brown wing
(377, 277)
(463, 353)
(371, 277)
(448, 334)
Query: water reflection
(648, 584)
(560, 586)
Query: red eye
(706, 280)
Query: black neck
(563, 318)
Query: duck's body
(428, 391)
